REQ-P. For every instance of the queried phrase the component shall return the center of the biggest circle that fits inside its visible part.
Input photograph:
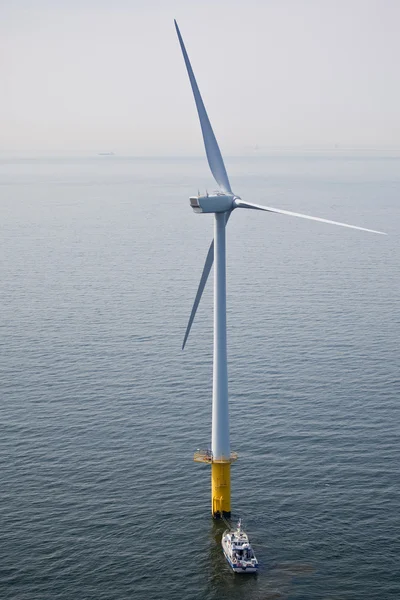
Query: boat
(238, 551)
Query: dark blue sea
(101, 411)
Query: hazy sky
(92, 75)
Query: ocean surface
(101, 411)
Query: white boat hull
(240, 569)
(238, 551)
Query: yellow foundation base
(220, 481)
(221, 489)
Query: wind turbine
(221, 203)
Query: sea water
(101, 411)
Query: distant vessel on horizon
(106, 154)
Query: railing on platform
(206, 456)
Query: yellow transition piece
(220, 481)
(221, 489)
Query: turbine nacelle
(216, 202)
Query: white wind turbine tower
(221, 203)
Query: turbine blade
(203, 280)
(241, 204)
(213, 152)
